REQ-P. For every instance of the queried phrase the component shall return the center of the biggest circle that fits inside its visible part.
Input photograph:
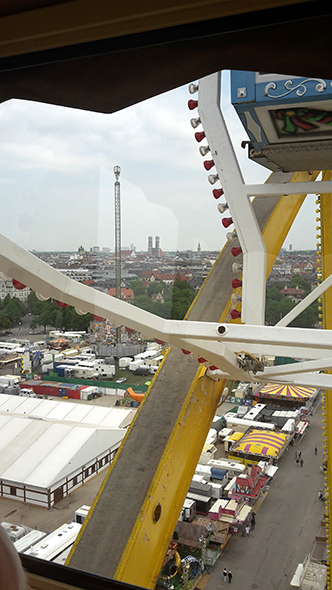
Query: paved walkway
(286, 523)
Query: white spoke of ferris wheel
(240, 206)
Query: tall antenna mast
(117, 209)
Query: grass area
(130, 378)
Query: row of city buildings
(97, 269)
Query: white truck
(9, 380)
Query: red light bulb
(236, 250)
(61, 304)
(199, 135)
(235, 314)
(217, 192)
(18, 285)
(227, 221)
(208, 164)
(236, 283)
(192, 104)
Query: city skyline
(57, 180)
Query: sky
(57, 180)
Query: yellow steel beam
(278, 225)
(161, 509)
(326, 265)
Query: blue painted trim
(240, 79)
(280, 95)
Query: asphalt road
(286, 523)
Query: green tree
(49, 314)
(138, 287)
(182, 295)
(156, 287)
(308, 318)
(5, 322)
(144, 302)
(272, 293)
(298, 281)
(14, 309)
(45, 318)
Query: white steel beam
(218, 343)
(245, 222)
(300, 367)
(304, 303)
(290, 188)
(316, 380)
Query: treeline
(170, 302)
(174, 302)
(48, 313)
(277, 305)
(11, 311)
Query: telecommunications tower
(117, 249)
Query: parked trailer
(29, 540)
(232, 467)
(105, 371)
(133, 365)
(49, 388)
(15, 531)
(55, 543)
(146, 355)
(124, 362)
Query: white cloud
(57, 182)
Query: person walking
(230, 575)
(316, 450)
(247, 530)
(224, 573)
(297, 462)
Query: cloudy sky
(57, 180)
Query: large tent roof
(262, 442)
(288, 391)
(42, 441)
(80, 413)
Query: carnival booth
(291, 396)
(259, 444)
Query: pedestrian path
(286, 523)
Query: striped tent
(265, 443)
(287, 391)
